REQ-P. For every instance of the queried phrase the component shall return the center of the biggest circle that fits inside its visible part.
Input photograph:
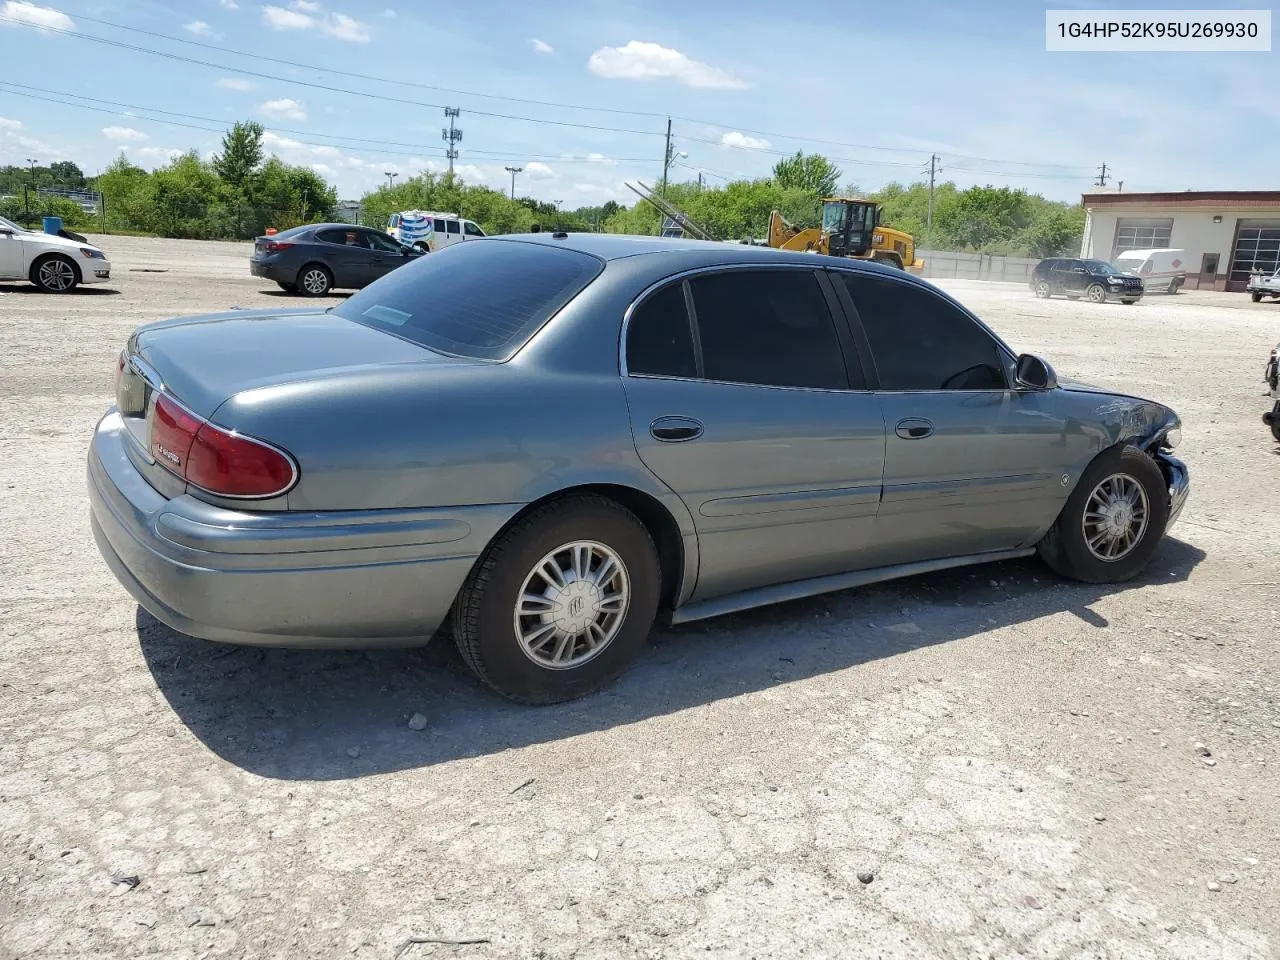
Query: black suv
(1095, 279)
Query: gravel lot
(986, 763)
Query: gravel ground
(985, 763)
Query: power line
(471, 93)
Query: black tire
(888, 260)
(421, 247)
(1064, 547)
(1041, 289)
(287, 287)
(314, 280)
(54, 273)
(1274, 421)
(484, 621)
(1256, 297)
(1128, 303)
(1173, 287)
(1096, 293)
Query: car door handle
(675, 429)
(914, 428)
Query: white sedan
(54, 264)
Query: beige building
(1227, 234)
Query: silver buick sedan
(545, 442)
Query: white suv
(429, 231)
(54, 264)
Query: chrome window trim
(715, 268)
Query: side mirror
(5, 232)
(1035, 374)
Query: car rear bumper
(334, 579)
(269, 270)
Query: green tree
(810, 172)
(64, 173)
(241, 154)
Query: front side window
(332, 236)
(922, 342)
(383, 244)
(659, 340)
(769, 327)
(471, 230)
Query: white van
(430, 230)
(1163, 270)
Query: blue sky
(745, 82)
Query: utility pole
(451, 136)
(666, 158)
(513, 171)
(33, 185)
(934, 167)
(1102, 176)
(699, 181)
(391, 178)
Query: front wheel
(561, 603)
(55, 274)
(1128, 303)
(1042, 290)
(1112, 522)
(1255, 297)
(1173, 287)
(1096, 293)
(421, 247)
(1272, 420)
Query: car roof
(617, 246)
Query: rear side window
(453, 226)
(770, 327)
(480, 300)
(330, 236)
(437, 226)
(659, 342)
(922, 342)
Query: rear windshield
(483, 300)
(291, 232)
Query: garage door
(1135, 234)
(1257, 247)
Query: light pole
(391, 178)
(513, 171)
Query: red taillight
(214, 459)
(275, 246)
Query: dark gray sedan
(320, 257)
(550, 440)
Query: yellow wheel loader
(850, 228)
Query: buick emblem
(575, 607)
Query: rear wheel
(889, 260)
(1173, 286)
(561, 603)
(314, 280)
(421, 247)
(1256, 297)
(1113, 521)
(1128, 303)
(1096, 293)
(55, 274)
(1272, 420)
(1042, 289)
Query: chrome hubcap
(315, 281)
(572, 604)
(1097, 294)
(1042, 289)
(1115, 517)
(57, 274)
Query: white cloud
(387, 14)
(601, 158)
(643, 60)
(160, 153)
(7, 124)
(283, 109)
(124, 134)
(198, 27)
(229, 4)
(541, 45)
(735, 139)
(322, 169)
(234, 83)
(306, 15)
(539, 171)
(45, 18)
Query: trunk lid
(203, 361)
